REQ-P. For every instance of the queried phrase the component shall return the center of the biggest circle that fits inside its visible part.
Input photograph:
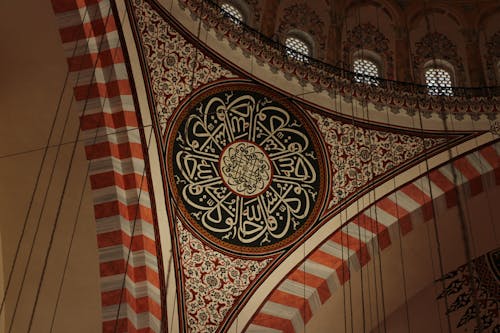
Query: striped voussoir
(122, 204)
(328, 267)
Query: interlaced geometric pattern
(237, 16)
(438, 82)
(368, 70)
(297, 48)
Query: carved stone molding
(391, 94)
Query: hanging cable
(382, 294)
(377, 225)
(481, 165)
(38, 176)
(338, 106)
(68, 254)
(353, 107)
(132, 235)
(41, 213)
(429, 184)
(134, 222)
(65, 185)
(403, 271)
(75, 223)
(463, 223)
(432, 203)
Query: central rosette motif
(247, 173)
(245, 168)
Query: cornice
(397, 96)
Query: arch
(485, 14)
(366, 62)
(119, 172)
(441, 71)
(299, 44)
(368, 38)
(249, 9)
(434, 47)
(324, 271)
(391, 8)
(419, 10)
(301, 19)
(236, 13)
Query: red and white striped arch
(300, 295)
(118, 171)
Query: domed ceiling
(254, 162)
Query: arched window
(368, 70)
(438, 81)
(297, 48)
(235, 14)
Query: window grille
(438, 82)
(368, 70)
(297, 49)
(236, 15)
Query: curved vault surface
(278, 157)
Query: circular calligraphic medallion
(246, 168)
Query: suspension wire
(465, 237)
(65, 186)
(304, 261)
(132, 235)
(435, 221)
(495, 82)
(347, 239)
(375, 248)
(170, 264)
(405, 295)
(137, 209)
(68, 254)
(465, 204)
(381, 272)
(484, 170)
(359, 156)
(398, 219)
(422, 182)
(128, 129)
(482, 166)
(466, 228)
(338, 106)
(38, 177)
(75, 223)
(429, 184)
(463, 224)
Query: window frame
(374, 58)
(304, 38)
(443, 65)
(240, 6)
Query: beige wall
(33, 70)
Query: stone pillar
(402, 56)
(269, 16)
(473, 55)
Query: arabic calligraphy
(245, 169)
